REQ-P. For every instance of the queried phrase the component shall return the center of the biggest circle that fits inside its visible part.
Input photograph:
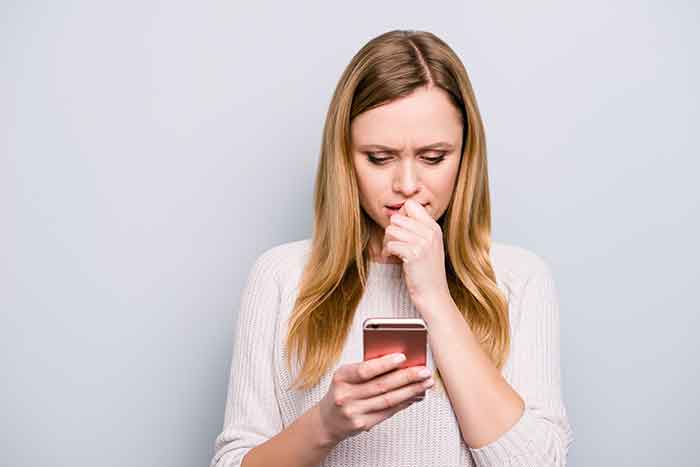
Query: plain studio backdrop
(150, 151)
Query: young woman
(403, 130)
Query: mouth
(398, 206)
(393, 208)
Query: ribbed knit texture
(427, 433)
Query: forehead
(421, 118)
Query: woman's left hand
(415, 238)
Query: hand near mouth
(415, 238)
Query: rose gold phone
(384, 336)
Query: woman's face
(396, 136)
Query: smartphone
(384, 336)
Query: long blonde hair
(388, 67)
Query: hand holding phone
(363, 394)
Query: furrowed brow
(437, 145)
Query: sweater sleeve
(542, 435)
(252, 414)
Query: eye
(381, 160)
(436, 160)
(376, 160)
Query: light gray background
(151, 150)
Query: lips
(398, 206)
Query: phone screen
(384, 336)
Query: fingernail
(398, 358)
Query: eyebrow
(439, 144)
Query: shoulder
(283, 263)
(516, 260)
(283, 253)
(515, 266)
(288, 257)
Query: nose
(406, 179)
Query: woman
(403, 130)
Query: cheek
(450, 175)
(442, 185)
(371, 182)
(369, 185)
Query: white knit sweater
(426, 433)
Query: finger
(403, 250)
(390, 381)
(374, 418)
(402, 210)
(391, 398)
(397, 232)
(417, 226)
(360, 372)
(417, 211)
(394, 232)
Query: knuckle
(357, 424)
(363, 372)
(340, 400)
(381, 386)
(346, 412)
(386, 401)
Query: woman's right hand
(363, 394)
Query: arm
(252, 421)
(301, 444)
(543, 435)
(523, 420)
